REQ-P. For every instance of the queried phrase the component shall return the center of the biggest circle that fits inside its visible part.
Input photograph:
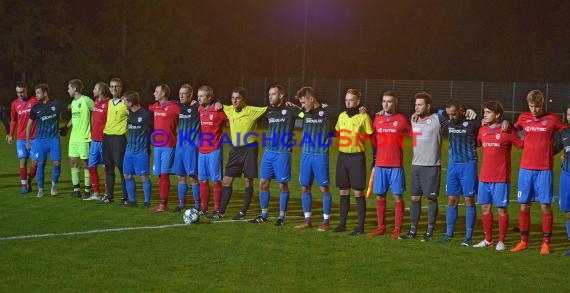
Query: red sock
(204, 196)
(32, 173)
(94, 179)
(381, 213)
(23, 176)
(487, 220)
(399, 217)
(164, 188)
(503, 227)
(524, 224)
(547, 227)
(217, 195)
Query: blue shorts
(47, 146)
(210, 165)
(185, 161)
(314, 166)
(564, 195)
(385, 178)
(95, 154)
(461, 179)
(535, 185)
(275, 165)
(495, 193)
(22, 151)
(163, 159)
(136, 164)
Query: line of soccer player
(115, 130)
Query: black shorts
(426, 180)
(114, 149)
(351, 171)
(242, 160)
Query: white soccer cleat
(95, 196)
(483, 243)
(500, 246)
(40, 193)
(53, 189)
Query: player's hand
(193, 102)
(562, 157)
(362, 110)
(470, 114)
(218, 106)
(415, 117)
(28, 145)
(63, 130)
(9, 139)
(505, 126)
(380, 113)
(324, 105)
(291, 104)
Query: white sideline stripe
(115, 230)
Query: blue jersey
(188, 125)
(463, 140)
(317, 131)
(565, 139)
(140, 124)
(281, 121)
(47, 116)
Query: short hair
(535, 96)
(165, 89)
(208, 89)
(22, 85)
(104, 89)
(354, 92)
(241, 91)
(494, 106)
(187, 86)
(307, 92)
(43, 86)
(116, 79)
(424, 96)
(391, 93)
(280, 88)
(453, 102)
(133, 97)
(77, 84)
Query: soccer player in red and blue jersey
(564, 193)
(210, 149)
(164, 140)
(19, 115)
(390, 129)
(495, 174)
(101, 93)
(535, 175)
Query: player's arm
(516, 140)
(258, 111)
(13, 121)
(90, 104)
(28, 131)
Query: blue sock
(131, 189)
(568, 229)
(306, 201)
(56, 171)
(40, 174)
(283, 201)
(196, 195)
(470, 217)
(327, 199)
(147, 187)
(264, 202)
(450, 220)
(182, 190)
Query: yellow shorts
(79, 150)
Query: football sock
(217, 195)
(32, 173)
(503, 227)
(547, 227)
(110, 180)
(568, 228)
(344, 208)
(306, 202)
(415, 208)
(399, 215)
(147, 189)
(361, 208)
(75, 178)
(381, 213)
(23, 177)
(450, 220)
(524, 225)
(94, 179)
(182, 190)
(226, 196)
(196, 195)
(131, 189)
(87, 180)
(124, 186)
(327, 198)
(55, 172)
(247, 196)
(284, 203)
(432, 215)
(204, 196)
(470, 218)
(40, 173)
(164, 187)
(264, 202)
(487, 221)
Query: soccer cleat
(203, 213)
(467, 242)
(130, 204)
(500, 246)
(483, 243)
(520, 247)
(40, 193)
(304, 225)
(178, 209)
(124, 200)
(75, 194)
(258, 219)
(146, 205)
(160, 208)
(396, 234)
(356, 232)
(239, 217)
(86, 195)
(377, 232)
(545, 248)
(107, 199)
(24, 190)
(280, 222)
(567, 253)
(409, 235)
(216, 215)
(445, 239)
(324, 227)
(339, 229)
(95, 196)
(29, 186)
(427, 237)
(53, 189)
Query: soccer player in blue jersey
(137, 154)
(564, 193)
(276, 160)
(186, 152)
(316, 140)
(46, 114)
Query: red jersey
(496, 166)
(389, 134)
(166, 119)
(212, 128)
(538, 132)
(99, 118)
(19, 114)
